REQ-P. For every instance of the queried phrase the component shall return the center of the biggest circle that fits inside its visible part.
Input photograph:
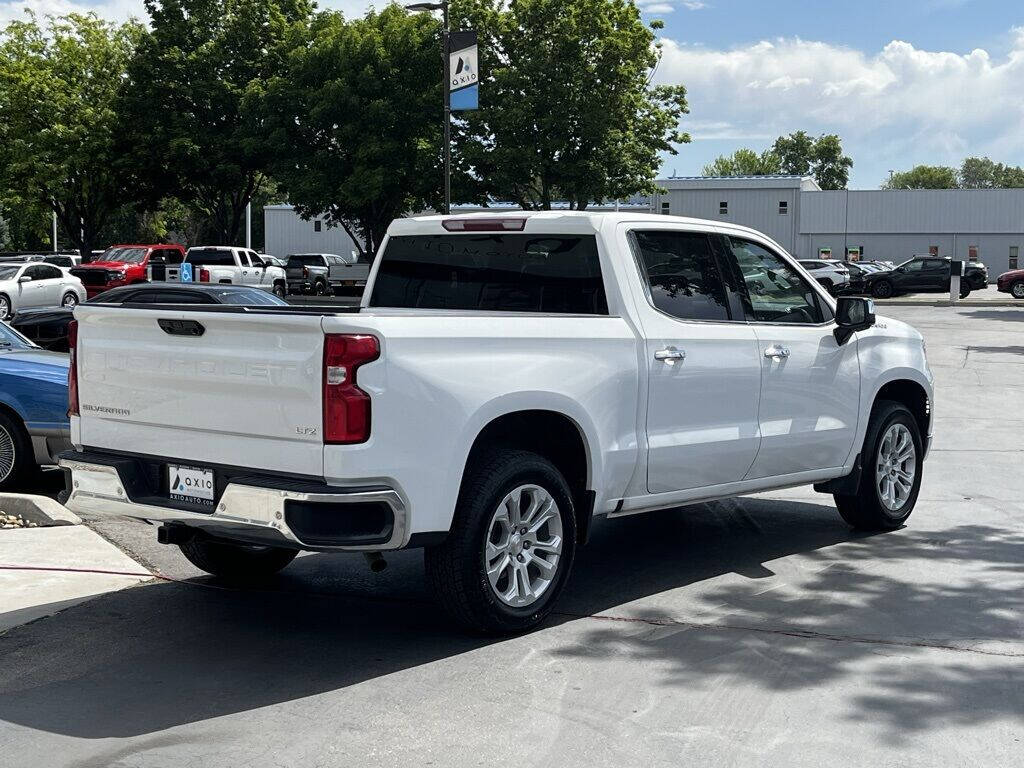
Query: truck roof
(551, 221)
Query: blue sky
(901, 81)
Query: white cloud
(660, 7)
(899, 106)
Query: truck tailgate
(246, 392)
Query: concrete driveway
(754, 632)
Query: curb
(41, 510)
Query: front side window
(501, 272)
(775, 292)
(682, 274)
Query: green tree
(59, 83)
(745, 162)
(983, 173)
(5, 231)
(924, 177)
(188, 131)
(800, 154)
(356, 119)
(568, 109)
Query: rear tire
(17, 460)
(70, 300)
(871, 508)
(965, 291)
(235, 562)
(320, 289)
(527, 571)
(279, 290)
(1017, 290)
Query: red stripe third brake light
(484, 225)
(346, 406)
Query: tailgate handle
(182, 327)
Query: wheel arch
(914, 396)
(554, 435)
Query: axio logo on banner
(464, 62)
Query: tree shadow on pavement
(163, 655)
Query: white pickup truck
(237, 266)
(506, 380)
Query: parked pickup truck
(237, 266)
(319, 273)
(127, 265)
(505, 381)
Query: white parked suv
(238, 266)
(34, 284)
(831, 274)
(506, 380)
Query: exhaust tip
(376, 561)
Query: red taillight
(305, 271)
(484, 225)
(204, 275)
(73, 368)
(346, 406)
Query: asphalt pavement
(753, 632)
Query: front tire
(882, 289)
(1017, 290)
(17, 460)
(891, 471)
(511, 545)
(235, 562)
(5, 307)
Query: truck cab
(235, 266)
(127, 264)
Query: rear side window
(497, 272)
(682, 274)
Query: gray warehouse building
(985, 225)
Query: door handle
(670, 354)
(776, 352)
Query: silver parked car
(831, 274)
(35, 284)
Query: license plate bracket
(195, 485)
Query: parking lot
(759, 631)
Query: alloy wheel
(70, 301)
(895, 467)
(7, 454)
(1018, 290)
(523, 546)
(5, 307)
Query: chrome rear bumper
(247, 512)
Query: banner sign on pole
(465, 71)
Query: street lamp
(446, 56)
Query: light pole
(446, 56)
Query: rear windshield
(497, 272)
(307, 259)
(210, 257)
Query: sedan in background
(35, 284)
(34, 425)
(1011, 282)
(49, 327)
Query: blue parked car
(34, 424)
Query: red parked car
(1012, 282)
(126, 265)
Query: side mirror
(24, 279)
(853, 314)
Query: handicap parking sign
(186, 273)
